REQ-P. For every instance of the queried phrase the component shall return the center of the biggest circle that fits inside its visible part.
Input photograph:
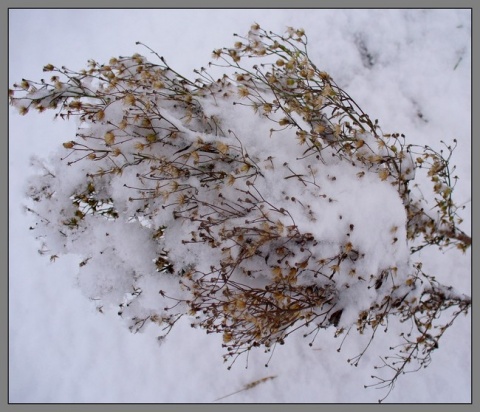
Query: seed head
(109, 138)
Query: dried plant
(248, 386)
(244, 261)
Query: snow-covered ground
(411, 69)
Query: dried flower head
(109, 138)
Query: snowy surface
(415, 79)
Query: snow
(418, 62)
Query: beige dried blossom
(109, 138)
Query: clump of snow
(148, 193)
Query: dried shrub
(256, 274)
